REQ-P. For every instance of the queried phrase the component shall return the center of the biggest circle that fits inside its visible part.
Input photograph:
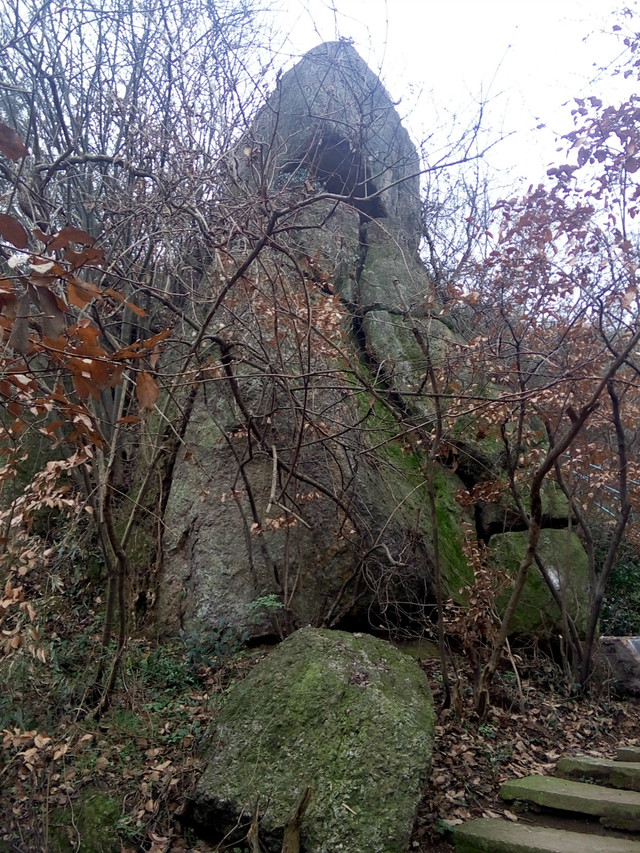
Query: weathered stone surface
(617, 774)
(502, 516)
(331, 118)
(215, 566)
(562, 552)
(623, 657)
(628, 753)
(394, 295)
(349, 716)
(329, 233)
(355, 536)
(492, 835)
(615, 808)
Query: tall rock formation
(298, 481)
(331, 116)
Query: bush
(621, 608)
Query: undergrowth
(136, 765)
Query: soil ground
(145, 751)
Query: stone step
(616, 809)
(617, 774)
(493, 835)
(628, 753)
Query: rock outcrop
(348, 716)
(330, 121)
(622, 655)
(294, 478)
(361, 529)
(567, 564)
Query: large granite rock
(622, 655)
(349, 716)
(362, 537)
(566, 561)
(340, 527)
(321, 565)
(331, 122)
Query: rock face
(331, 121)
(347, 715)
(622, 654)
(216, 566)
(361, 529)
(294, 479)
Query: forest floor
(139, 762)
(525, 733)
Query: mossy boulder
(90, 827)
(566, 560)
(348, 715)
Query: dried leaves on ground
(145, 752)
(522, 735)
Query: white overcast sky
(527, 58)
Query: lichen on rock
(348, 715)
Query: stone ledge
(616, 774)
(493, 835)
(628, 753)
(615, 808)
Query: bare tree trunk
(598, 591)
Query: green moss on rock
(457, 575)
(554, 500)
(563, 554)
(348, 715)
(407, 500)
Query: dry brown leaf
(19, 338)
(159, 844)
(147, 390)
(13, 231)
(60, 751)
(10, 143)
(70, 235)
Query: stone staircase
(599, 802)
